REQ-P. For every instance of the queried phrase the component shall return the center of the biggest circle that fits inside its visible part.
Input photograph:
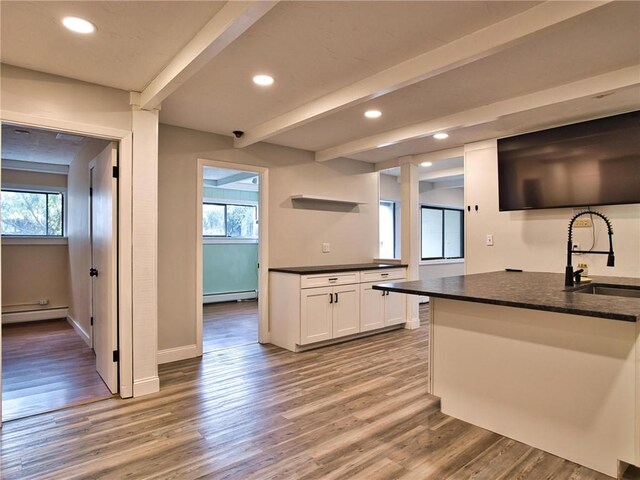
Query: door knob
(93, 272)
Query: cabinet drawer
(328, 279)
(383, 275)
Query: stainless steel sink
(614, 290)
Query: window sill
(443, 261)
(213, 240)
(34, 241)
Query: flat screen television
(583, 164)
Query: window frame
(225, 204)
(443, 209)
(40, 191)
(393, 209)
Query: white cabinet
(306, 309)
(346, 310)
(329, 312)
(380, 309)
(371, 307)
(316, 315)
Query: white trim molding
(79, 330)
(7, 240)
(145, 386)
(35, 315)
(169, 355)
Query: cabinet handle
(333, 279)
(468, 208)
(384, 293)
(388, 293)
(336, 298)
(476, 208)
(331, 298)
(384, 274)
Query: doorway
(231, 255)
(52, 348)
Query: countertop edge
(334, 268)
(511, 303)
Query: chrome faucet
(568, 274)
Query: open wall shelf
(337, 201)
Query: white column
(410, 224)
(145, 251)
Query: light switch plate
(489, 240)
(326, 247)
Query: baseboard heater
(229, 297)
(35, 315)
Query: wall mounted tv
(583, 164)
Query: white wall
(295, 234)
(535, 240)
(443, 197)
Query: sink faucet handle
(577, 275)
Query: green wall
(229, 267)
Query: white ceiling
(134, 41)
(315, 50)
(40, 146)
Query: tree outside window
(32, 213)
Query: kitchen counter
(531, 290)
(335, 268)
(519, 354)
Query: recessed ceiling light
(263, 80)
(441, 136)
(78, 25)
(426, 164)
(372, 113)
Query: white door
(346, 310)
(316, 315)
(371, 308)
(394, 307)
(104, 258)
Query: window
(387, 229)
(442, 233)
(32, 213)
(221, 220)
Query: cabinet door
(316, 315)
(371, 308)
(394, 308)
(346, 310)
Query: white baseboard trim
(412, 324)
(79, 330)
(35, 315)
(145, 386)
(178, 353)
(229, 297)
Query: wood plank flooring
(229, 324)
(358, 410)
(46, 366)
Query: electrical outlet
(489, 240)
(582, 223)
(43, 302)
(326, 247)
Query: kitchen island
(516, 353)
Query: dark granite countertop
(532, 290)
(335, 268)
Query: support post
(410, 224)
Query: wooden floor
(358, 410)
(46, 366)
(229, 324)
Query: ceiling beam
(423, 157)
(626, 77)
(470, 48)
(236, 177)
(449, 172)
(219, 32)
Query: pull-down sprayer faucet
(568, 274)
